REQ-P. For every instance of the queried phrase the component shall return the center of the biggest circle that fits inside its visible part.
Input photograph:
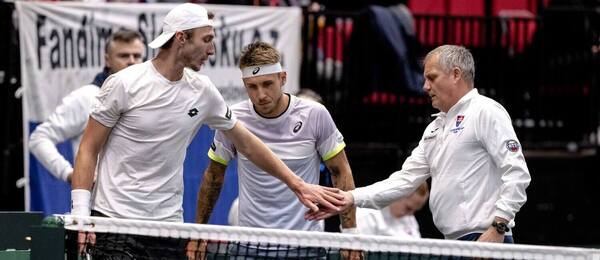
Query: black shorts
(124, 246)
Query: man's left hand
(492, 236)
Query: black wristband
(500, 227)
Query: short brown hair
(122, 35)
(259, 53)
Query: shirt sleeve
(415, 171)
(66, 122)
(329, 139)
(498, 137)
(220, 116)
(221, 150)
(111, 102)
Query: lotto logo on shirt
(193, 112)
(228, 113)
(513, 146)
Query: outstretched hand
(317, 197)
(323, 213)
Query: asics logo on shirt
(193, 112)
(213, 146)
(297, 127)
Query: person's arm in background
(212, 182)
(258, 153)
(68, 121)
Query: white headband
(254, 71)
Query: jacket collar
(460, 104)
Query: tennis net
(171, 241)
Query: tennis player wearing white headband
(300, 132)
(144, 119)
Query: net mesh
(138, 239)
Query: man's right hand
(323, 213)
(84, 239)
(196, 249)
(317, 197)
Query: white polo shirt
(301, 137)
(153, 120)
(477, 167)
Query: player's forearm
(92, 142)
(208, 194)
(342, 179)
(85, 166)
(82, 182)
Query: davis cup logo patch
(459, 119)
(513, 146)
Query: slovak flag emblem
(459, 119)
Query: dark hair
(122, 35)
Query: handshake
(327, 202)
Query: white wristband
(80, 202)
(350, 230)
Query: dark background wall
(544, 69)
(11, 143)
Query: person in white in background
(233, 218)
(395, 220)
(123, 49)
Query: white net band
(324, 240)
